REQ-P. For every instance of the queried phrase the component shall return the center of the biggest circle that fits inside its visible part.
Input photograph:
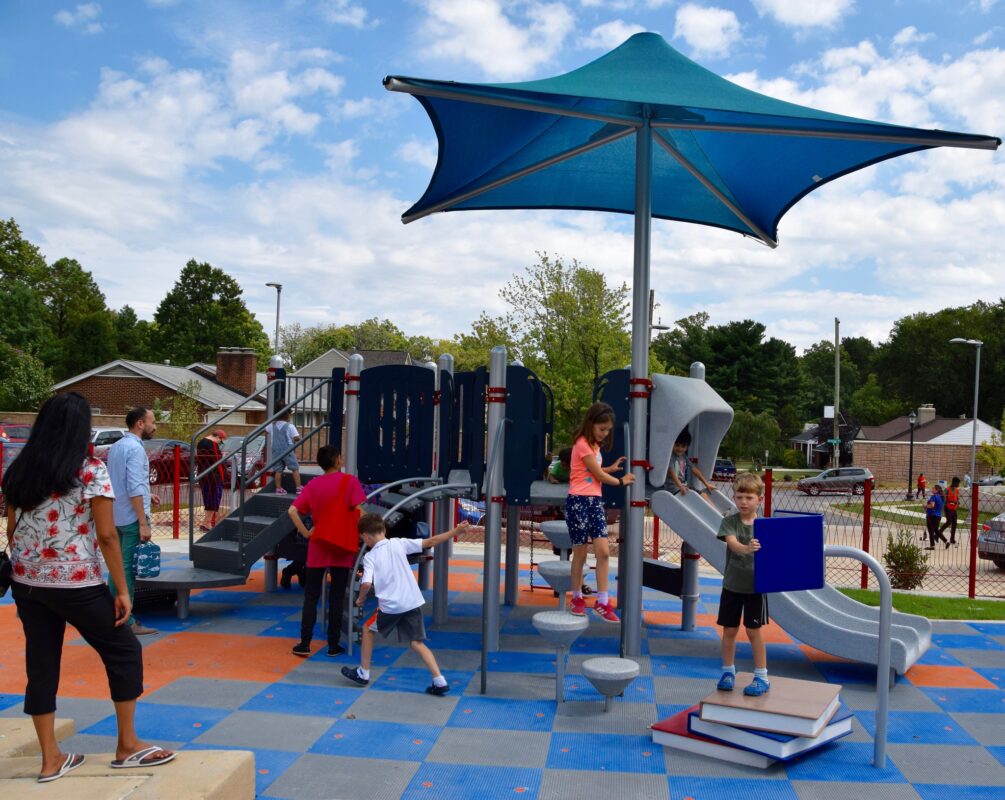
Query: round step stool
(610, 676)
(558, 534)
(560, 629)
(558, 575)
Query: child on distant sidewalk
(399, 599)
(738, 595)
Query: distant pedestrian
(129, 469)
(967, 481)
(933, 515)
(284, 436)
(921, 484)
(208, 453)
(952, 504)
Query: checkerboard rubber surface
(225, 678)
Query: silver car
(839, 479)
(991, 541)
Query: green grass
(935, 607)
(888, 512)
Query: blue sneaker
(757, 687)
(726, 682)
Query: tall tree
(817, 365)
(471, 350)
(20, 260)
(203, 312)
(132, 335)
(26, 380)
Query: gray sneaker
(139, 630)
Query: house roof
(941, 430)
(211, 394)
(322, 366)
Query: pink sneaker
(300, 490)
(281, 490)
(606, 613)
(578, 607)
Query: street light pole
(977, 385)
(279, 291)
(912, 418)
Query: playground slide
(822, 618)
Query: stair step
(253, 519)
(221, 544)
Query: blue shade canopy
(724, 156)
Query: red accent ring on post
(500, 498)
(641, 382)
(640, 503)
(350, 378)
(643, 395)
(352, 391)
(641, 462)
(437, 397)
(692, 556)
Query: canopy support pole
(630, 552)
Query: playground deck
(224, 678)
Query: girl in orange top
(952, 504)
(584, 507)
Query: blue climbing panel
(467, 448)
(395, 423)
(336, 408)
(613, 388)
(529, 409)
(448, 432)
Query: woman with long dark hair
(59, 515)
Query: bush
(906, 563)
(793, 459)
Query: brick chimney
(236, 368)
(926, 414)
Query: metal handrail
(386, 486)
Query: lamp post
(279, 291)
(977, 384)
(913, 419)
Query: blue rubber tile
(381, 656)
(662, 605)
(10, 700)
(672, 632)
(989, 628)
(994, 674)
(843, 761)
(942, 791)
(518, 661)
(664, 666)
(959, 641)
(470, 782)
(665, 710)
(518, 626)
(776, 652)
(278, 613)
(641, 690)
(465, 610)
(311, 701)
(985, 701)
(269, 764)
(609, 752)
(602, 646)
(449, 640)
(160, 721)
(998, 752)
(939, 657)
(370, 739)
(711, 581)
(712, 598)
(917, 727)
(848, 672)
(497, 713)
(729, 788)
(220, 596)
(412, 679)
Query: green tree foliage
(299, 346)
(20, 260)
(26, 381)
(870, 404)
(185, 414)
(991, 455)
(471, 350)
(817, 365)
(203, 312)
(751, 435)
(132, 335)
(22, 318)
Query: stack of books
(792, 719)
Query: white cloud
(505, 40)
(84, 17)
(415, 152)
(805, 13)
(622, 5)
(708, 31)
(987, 5)
(909, 36)
(346, 12)
(610, 35)
(986, 37)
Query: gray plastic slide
(822, 618)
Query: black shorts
(406, 627)
(753, 607)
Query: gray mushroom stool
(610, 676)
(560, 629)
(558, 575)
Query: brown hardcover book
(794, 707)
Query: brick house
(119, 385)
(942, 447)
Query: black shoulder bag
(6, 568)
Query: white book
(673, 732)
(794, 707)
(776, 745)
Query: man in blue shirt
(933, 516)
(129, 469)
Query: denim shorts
(290, 462)
(586, 518)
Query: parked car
(991, 541)
(991, 480)
(725, 470)
(103, 438)
(160, 453)
(17, 432)
(839, 479)
(254, 458)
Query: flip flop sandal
(73, 760)
(141, 758)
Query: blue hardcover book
(774, 745)
(791, 557)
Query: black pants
(336, 601)
(934, 534)
(44, 613)
(950, 523)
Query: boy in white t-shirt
(399, 599)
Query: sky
(256, 135)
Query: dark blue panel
(448, 431)
(791, 557)
(395, 423)
(468, 442)
(336, 408)
(528, 434)
(612, 388)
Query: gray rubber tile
(840, 790)
(491, 748)
(980, 658)
(963, 765)
(83, 711)
(584, 716)
(561, 784)
(259, 729)
(535, 645)
(324, 672)
(679, 762)
(516, 685)
(209, 692)
(988, 729)
(688, 648)
(234, 626)
(681, 691)
(280, 598)
(406, 708)
(320, 777)
(461, 660)
(903, 697)
(952, 626)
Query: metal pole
(973, 437)
(630, 551)
(441, 553)
(512, 583)
(352, 382)
(837, 392)
(910, 467)
(425, 566)
(689, 592)
(494, 492)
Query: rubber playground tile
(994, 675)
(269, 764)
(608, 753)
(819, 655)
(411, 709)
(158, 721)
(957, 641)
(666, 666)
(560, 784)
(215, 693)
(843, 761)
(518, 626)
(471, 782)
(410, 679)
(935, 763)
(233, 596)
(641, 690)
(986, 729)
(319, 777)
(491, 748)
(952, 677)
(937, 791)
(695, 788)
(494, 713)
(362, 738)
(938, 656)
(850, 672)
(256, 729)
(989, 628)
(987, 701)
(288, 698)
(917, 727)
(998, 752)
(542, 599)
(677, 633)
(777, 651)
(675, 604)
(9, 700)
(609, 645)
(653, 619)
(515, 661)
(449, 640)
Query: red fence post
(972, 587)
(656, 536)
(768, 476)
(176, 498)
(866, 529)
(1, 459)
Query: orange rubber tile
(948, 677)
(464, 582)
(819, 655)
(771, 634)
(661, 618)
(544, 598)
(256, 583)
